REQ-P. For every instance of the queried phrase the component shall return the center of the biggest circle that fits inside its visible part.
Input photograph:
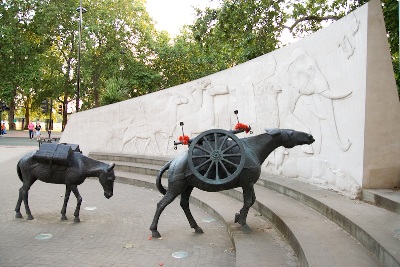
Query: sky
(171, 15)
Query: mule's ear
(112, 165)
(273, 132)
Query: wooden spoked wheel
(216, 156)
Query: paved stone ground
(115, 233)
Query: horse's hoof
(18, 215)
(198, 230)
(237, 215)
(64, 218)
(30, 217)
(76, 219)
(155, 234)
(246, 228)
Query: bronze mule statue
(74, 173)
(182, 180)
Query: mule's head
(291, 138)
(107, 179)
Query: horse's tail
(19, 172)
(160, 187)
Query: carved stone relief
(145, 134)
(199, 110)
(317, 170)
(298, 96)
(346, 44)
(316, 85)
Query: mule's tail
(160, 187)
(19, 172)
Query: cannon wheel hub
(216, 156)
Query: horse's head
(107, 179)
(291, 138)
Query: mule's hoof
(64, 218)
(237, 215)
(155, 234)
(30, 217)
(18, 215)
(246, 228)
(76, 219)
(198, 230)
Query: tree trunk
(66, 94)
(27, 112)
(11, 123)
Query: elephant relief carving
(298, 96)
(305, 79)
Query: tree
(116, 44)
(20, 64)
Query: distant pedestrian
(38, 128)
(3, 128)
(31, 127)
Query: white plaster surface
(317, 85)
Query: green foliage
(238, 31)
(116, 36)
(116, 39)
(391, 13)
(21, 46)
(115, 91)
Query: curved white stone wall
(336, 84)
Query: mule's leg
(74, 189)
(64, 208)
(165, 201)
(23, 194)
(249, 197)
(18, 206)
(185, 206)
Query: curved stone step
(384, 198)
(152, 160)
(383, 242)
(377, 229)
(264, 246)
(316, 240)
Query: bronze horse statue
(79, 167)
(182, 180)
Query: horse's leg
(185, 206)
(165, 201)
(64, 208)
(74, 189)
(249, 197)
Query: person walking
(38, 128)
(31, 127)
(3, 129)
